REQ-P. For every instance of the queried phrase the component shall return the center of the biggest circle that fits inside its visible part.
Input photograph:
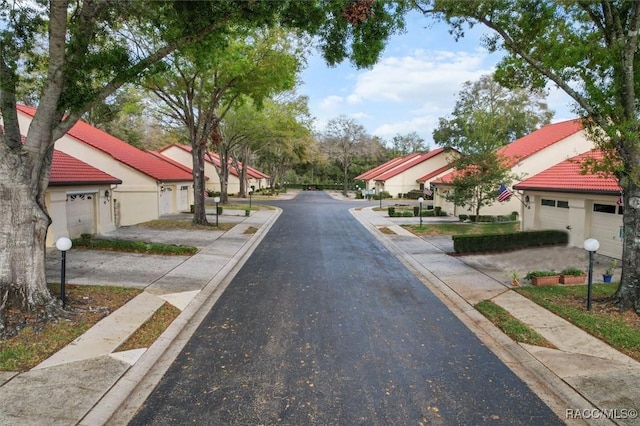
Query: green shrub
(438, 210)
(134, 246)
(463, 217)
(543, 273)
(392, 211)
(512, 241)
(572, 271)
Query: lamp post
(591, 245)
(420, 201)
(63, 244)
(217, 201)
(253, 188)
(380, 197)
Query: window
(563, 204)
(550, 203)
(604, 208)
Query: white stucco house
(527, 157)
(182, 154)
(413, 172)
(150, 186)
(587, 205)
(78, 199)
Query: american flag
(504, 194)
(427, 192)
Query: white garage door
(554, 214)
(166, 200)
(606, 222)
(80, 214)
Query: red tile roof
(408, 164)
(539, 140)
(528, 145)
(382, 168)
(567, 177)
(122, 151)
(254, 173)
(67, 170)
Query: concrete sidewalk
(86, 382)
(583, 380)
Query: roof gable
(123, 152)
(213, 158)
(409, 164)
(382, 168)
(538, 140)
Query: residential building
(587, 205)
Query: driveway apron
(324, 326)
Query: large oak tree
(90, 48)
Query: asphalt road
(323, 326)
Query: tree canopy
(80, 53)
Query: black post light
(591, 245)
(63, 244)
(217, 201)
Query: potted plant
(572, 276)
(539, 278)
(608, 272)
(515, 278)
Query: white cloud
(420, 77)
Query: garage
(81, 213)
(554, 214)
(606, 225)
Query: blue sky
(415, 82)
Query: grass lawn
(460, 228)
(620, 330)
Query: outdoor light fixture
(217, 201)
(63, 244)
(106, 196)
(420, 201)
(591, 245)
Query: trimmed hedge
(517, 240)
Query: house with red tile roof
(369, 176)
(588, 205)
(404, 174)
(151, 186)
(78, 199)
(526, 156)
(182, 154)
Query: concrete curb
(123, 400)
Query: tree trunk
(199, 208)
(628, 294)
(346, 180)
(23, 232)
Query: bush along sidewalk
(87, 241)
